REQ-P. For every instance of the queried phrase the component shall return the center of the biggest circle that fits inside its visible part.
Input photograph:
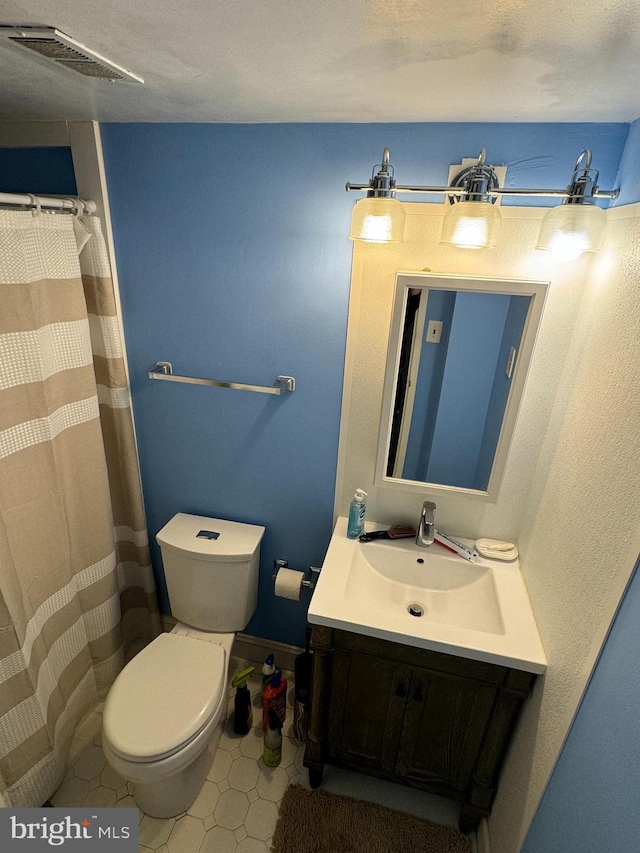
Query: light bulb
(470, 233)
(567, 247)
(376, 229)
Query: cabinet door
(368, 701)
(443, 728)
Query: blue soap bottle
(357, 512)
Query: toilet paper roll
(289, 584)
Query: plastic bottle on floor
(268, 670)
(242, 710)
(272, 752)
(274, 697)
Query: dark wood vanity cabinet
(422, 718)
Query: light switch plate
(434, 331)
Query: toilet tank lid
(204, 538)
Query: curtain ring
(36, 204)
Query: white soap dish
(494, 549)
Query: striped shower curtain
(76, 588)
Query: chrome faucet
(427, 525)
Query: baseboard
(254, 649)
(482, 837)
(167, 622)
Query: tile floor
(237, 809)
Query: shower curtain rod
(43, 202)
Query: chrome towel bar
(164, 370)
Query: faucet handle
(427, 527)
(428, 507)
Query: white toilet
(165, 705)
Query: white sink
(428, 597)
(448, 590)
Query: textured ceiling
(333, 60)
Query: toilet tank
(211, 569)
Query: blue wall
(433, 359)
(629, 172)
(592, 802)
(476, 335)
(43, 171)
(234, 264)
(512, 337)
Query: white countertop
(354, 596)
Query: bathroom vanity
(421, 718)
(430, 702)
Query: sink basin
(431, 586)
(428, 597)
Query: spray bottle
(272, 752)
(242, 710)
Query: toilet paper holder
(309, 582)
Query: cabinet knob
(417, 695)
(401, 691)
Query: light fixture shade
(471, 225)
(571, 229)
(378, 220)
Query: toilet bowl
(163, 715)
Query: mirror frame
(537, 290)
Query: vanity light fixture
(473, 219)
(379, 218)
(577, 225)
(471, 222)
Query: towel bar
(164, 370)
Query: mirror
(459, 351)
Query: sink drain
(415, 609)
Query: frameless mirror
(459, 351)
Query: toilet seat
(164, 697)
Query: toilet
(164, 712)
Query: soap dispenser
(357, 512)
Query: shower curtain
(76, 587)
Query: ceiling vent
(52, 44)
